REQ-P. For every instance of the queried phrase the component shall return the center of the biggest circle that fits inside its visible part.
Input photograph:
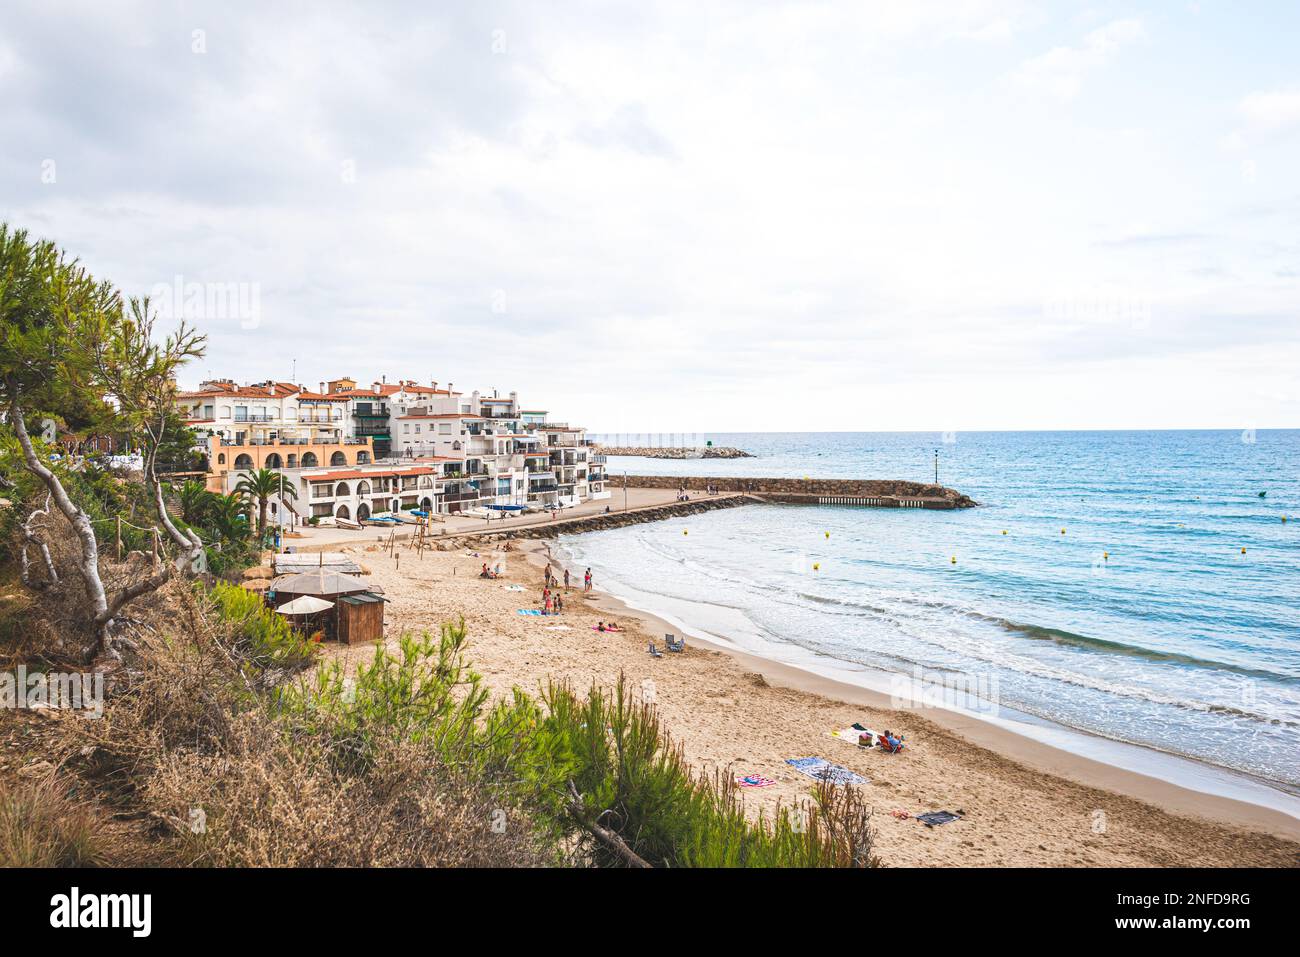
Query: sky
(722, 216)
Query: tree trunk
(80, 521)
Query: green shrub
(634, 782)
(265, 639)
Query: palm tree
(229, 517)
(196, 502)
(258, 486)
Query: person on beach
(559, 603)
(586, 581)
(566, 579)
(600, 626)
(546, 608)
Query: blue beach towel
(935, 818)
(819, 769)
(528, 611)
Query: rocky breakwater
(878, 493)
(650, 452)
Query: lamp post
(625, 490)
(936, 466)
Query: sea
(1132, 596)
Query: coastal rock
(886, 492)
(652, 452)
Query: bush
(632, 781)
(264, 639)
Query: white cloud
(1272, 110)
(687, 209)
(1061, 71)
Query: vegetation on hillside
(224, 740)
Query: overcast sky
(696, 216)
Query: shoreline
(991, 733)
(1023, 803)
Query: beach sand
(1023, 803)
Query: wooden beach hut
(360, 618)
(358, 612)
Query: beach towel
(514, 587)
(755, 781)
(819, 769)
(935, 818)
(557, 628)
(528, 611)
(853, 733)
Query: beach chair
(653, 651)
(887, 747)
(674, 643)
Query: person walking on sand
(546, 609)
(586, 581)
(559, 603)
(566, 579)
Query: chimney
(322, 388)
(449, 385)
(433, 383)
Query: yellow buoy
(828, 534)
(1062, 531)
(683, 531)
(954, 559)
(1105, 556)
(1243, 551)
(1004, 531)
(817, 566)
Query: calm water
(1176, 640)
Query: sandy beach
(1022, 803)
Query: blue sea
(1101, 586)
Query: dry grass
(264, 803)
(190, 746)
(43, 825)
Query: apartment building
(276, 425)
(357, 452)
